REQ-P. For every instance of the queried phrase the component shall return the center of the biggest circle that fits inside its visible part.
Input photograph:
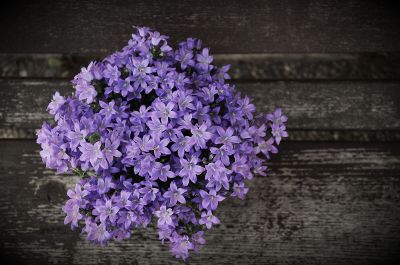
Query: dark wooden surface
(226, 26)
(333, 193)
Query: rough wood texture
(333, 66)
(310, 105)
(226, 26)
(250, 67)
(323, 203)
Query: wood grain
(226, 26)
(310, 105)
(322, 203)
(333, 66)
(249, 67)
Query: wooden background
(332, 195)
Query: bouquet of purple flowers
(157, 137)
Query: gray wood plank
(226, 26)
(322, 203)
(364, 107)
(250, 67)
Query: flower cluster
(157, 137)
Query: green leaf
(79, 172)
(93, 138)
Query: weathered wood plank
(226, 26)
(267, 66)
(316, 106)
(330, 105)
(323, 203)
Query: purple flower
(241, 166)
(56, 103)
(185, 57)
(111, 73)
(141, 67)
(186, 122)
(239, 190)
(279, 131)
(266, 147)
(181, 246)
(124, 86)
(190, 169)
(86, 73)
(86, 92)
(164, 216)
(247, 108)
(184, 101)
(123, 201)
(149, 192)
(182, 144)
(222, 154)
(73, 214)
(164, 233)
(156, 125)
(210, 200)
(154, 132)
(174, 195)
(200, 135)
(98, 233)
(77, 194)
(201, 112)
(198, 240)
(204, 60)
(92, 153)
(126, 218)
(107, 109)
(222, 74)
(106, 210)
(217, 175)
(77, 136)
(277, 118)
(208, 219)
(111, 150)
(104, 185)
(159, 147)
(162, 172)
(226, 137)
(165, 111)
